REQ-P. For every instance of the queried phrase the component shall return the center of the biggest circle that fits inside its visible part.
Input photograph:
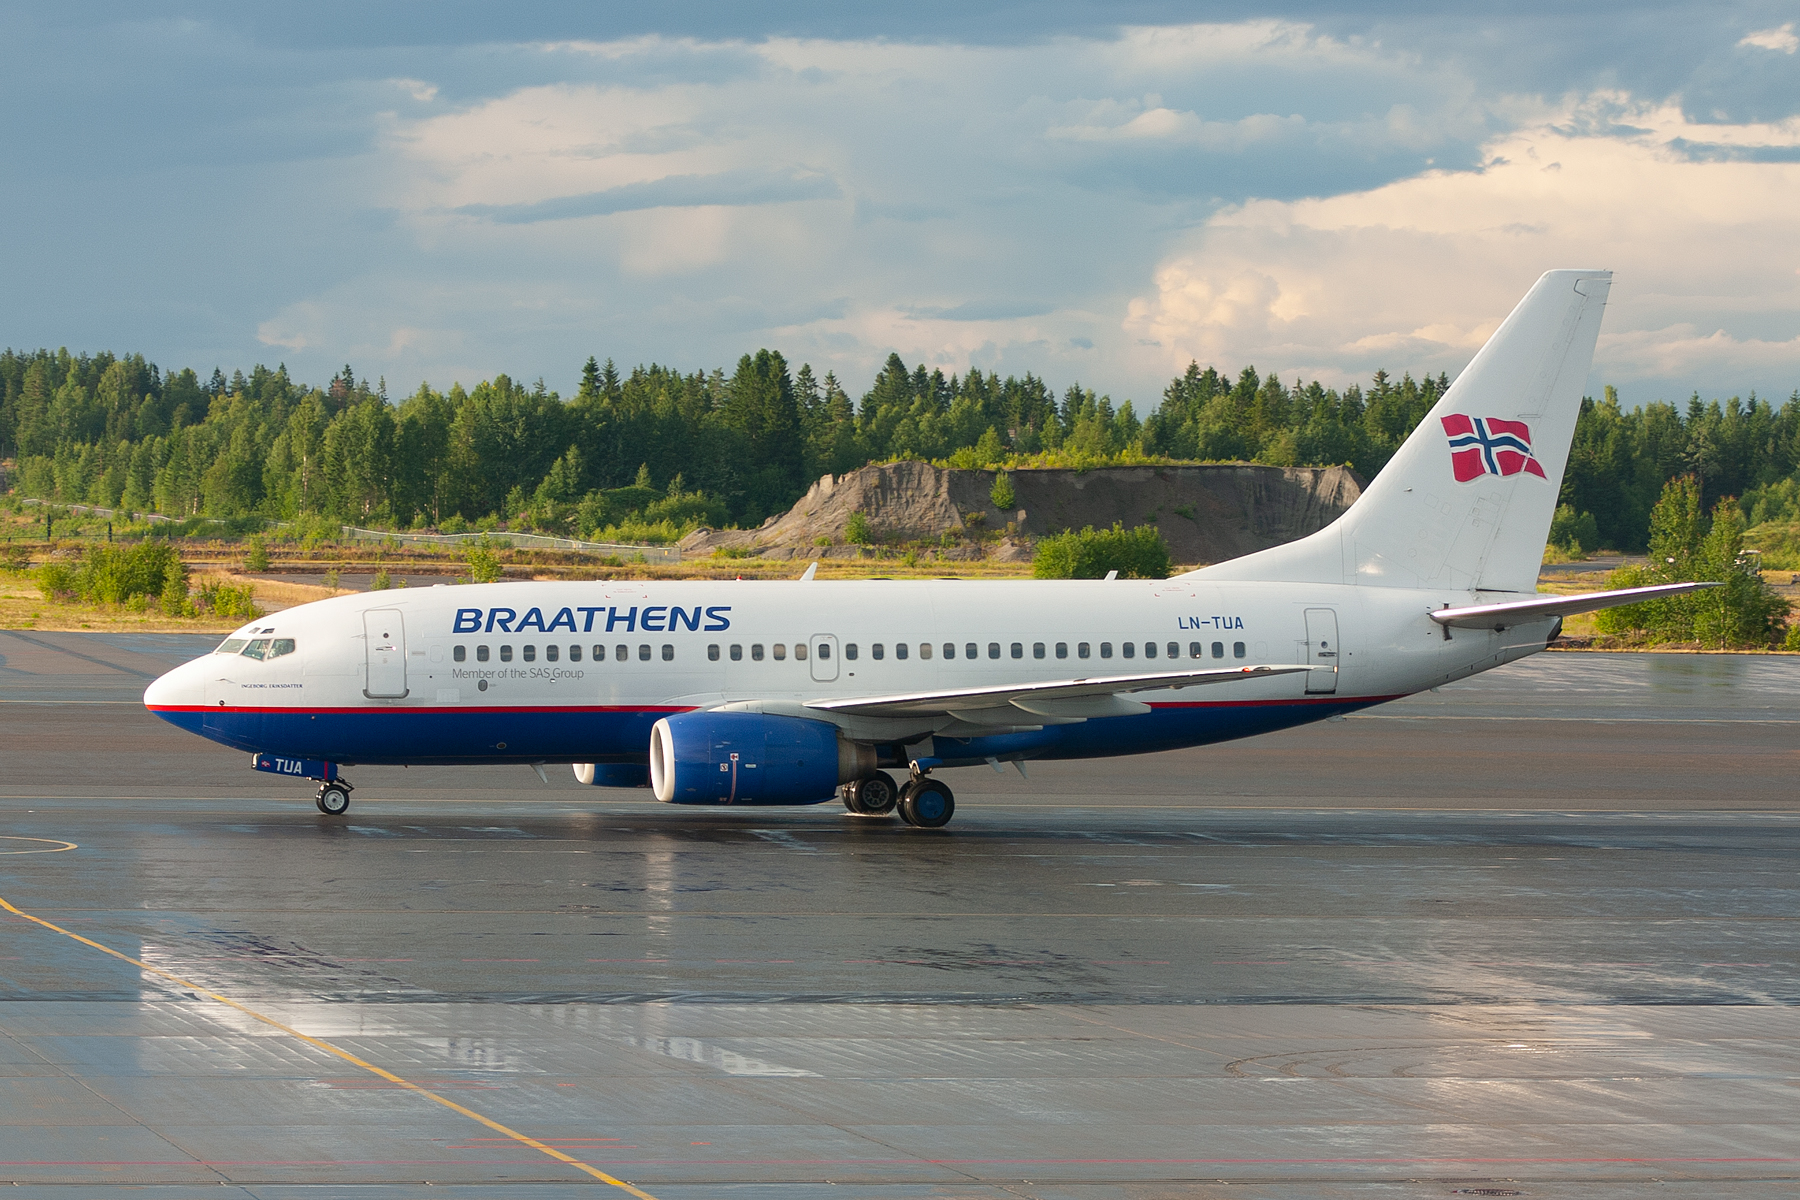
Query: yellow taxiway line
(370, 1067)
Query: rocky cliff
(1206, 513)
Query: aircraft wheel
(333, 800)
(877, 795)
(927, 804)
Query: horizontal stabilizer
(929, 704)
(1517, 612)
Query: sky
(1095, 192)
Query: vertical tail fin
(1466, 502)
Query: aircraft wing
(1516, 612)
(1047, 695)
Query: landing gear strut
(334, 798)
(872, 797)
(926, 802)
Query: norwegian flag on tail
(1489, 446)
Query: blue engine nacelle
(621, 775)
(751, 758)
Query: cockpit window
(267, 648)
(230, 646)
(257, 648)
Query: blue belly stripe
(439, 736)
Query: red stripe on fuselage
(426, 709)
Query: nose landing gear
(334, 798)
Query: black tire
(848, 793)
(927, 804)
(333, 800)
(877, 795)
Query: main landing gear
(922, 801)
(875, 796)
(926, 802)
(334, 798)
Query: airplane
(796, 692)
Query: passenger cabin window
(1018, 650)
(1196, 650)
(550, 653)
(779, 649)
(481, 654)
(1174, 649)
(1105, 649)
(993, 649)
(1237, 649)
(1081, 651)
(949, 649)
(1130, 649)
(800, 651)
(712, 652)
(737, 653)
(459, 654)
(824, 649)
(506, 654)
(1149, 649)
(1062, 650)
(1037, 649)
(878, 651)
(668, 652)
(621, 653)
(574, 653)
(850, 651)
(900, 650)
(530, 654)
(1218, 649)
(644, 652)
(756, 652)
(599, 653)
(971, 650)
(924, 649)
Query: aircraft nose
(174, 691)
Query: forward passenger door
(384, 634)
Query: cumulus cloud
(1418, 272)
(1078, 202)
(1781, 39)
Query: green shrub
(227, 599)
(175, 590)
(1002, 493)
(484, 562)
(58, 581)
(110, 573)
(856, 530)
(256, 557)
(382, 581)
(18, 558)
(1134, 553)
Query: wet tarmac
(1534, 934)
